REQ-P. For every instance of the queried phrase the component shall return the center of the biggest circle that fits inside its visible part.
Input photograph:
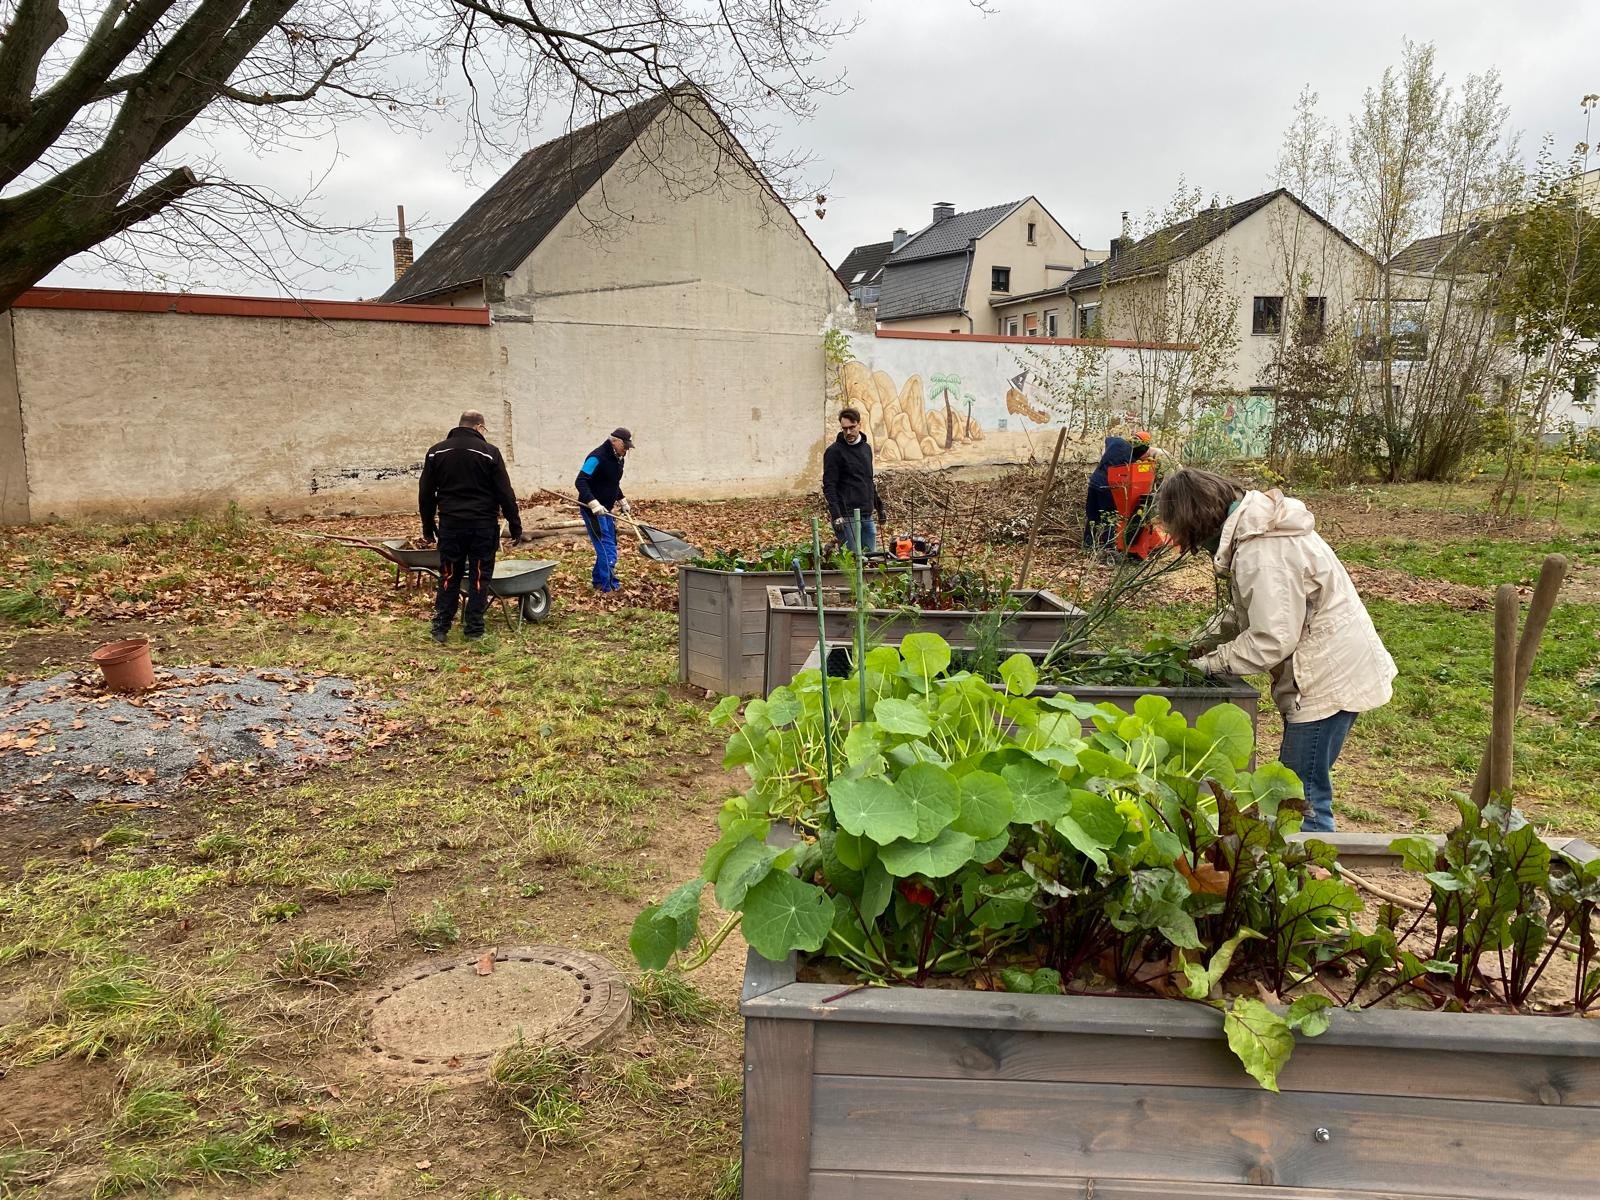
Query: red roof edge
(202, 304)
(922, 335)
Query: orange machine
(1131, 489)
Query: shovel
(655, 544)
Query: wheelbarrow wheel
(536, 605)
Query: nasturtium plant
(938, 823)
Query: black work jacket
(464, 482)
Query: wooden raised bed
(722, 624)
(792, 627)
(884, 1093)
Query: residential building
(945, 276)
(1252, 273)
(642, 281)
(861, 272)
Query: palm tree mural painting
(949, 386)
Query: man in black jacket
(847, 483)
(464, 481)
(599, 485)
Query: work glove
(597, 508)
(624, 507)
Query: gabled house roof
(507, 222)
(953, 234)
(1154, 253)
(861, 265)
(1452, 251)
(928, 274)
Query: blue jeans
(1310, 748)
(847, 534)
(603, 537)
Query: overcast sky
(1094, 109)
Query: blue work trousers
(603, 537)
(1310, 748)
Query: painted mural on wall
(901, 422)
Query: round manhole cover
(443, 1017)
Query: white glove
(597, 508)
(624, 507)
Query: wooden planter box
(1190, 701)
(722, 624)
(886, 1093)
(792, 627)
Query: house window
(1052, 323)
(1314, 318)
(1089, 320)
(1011, 327)
(1000, 279)
(1030, 324)
(1031, 228)
(1266, 315)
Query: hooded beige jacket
(1295, 614)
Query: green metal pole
(822, 648)
(861, 619)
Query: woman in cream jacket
(1295, 615)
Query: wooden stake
(1539, 610)
(1505, 689)
(1038, 512)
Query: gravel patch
(66, 739)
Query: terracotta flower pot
(126, 665)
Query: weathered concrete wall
(13, 457)
(684, 304)
(131, 414)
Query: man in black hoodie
(847, 483)
(464, 481)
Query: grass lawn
(180, 985)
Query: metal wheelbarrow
(525, 581)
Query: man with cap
(599, 485)
(464, 482)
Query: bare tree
(106, 106)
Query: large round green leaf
(872, 807)
(782, 914)
(933, 796)
(744, 867)
(1019, 674)
(901, 716)
(1092, 825)
(1037, 792)
(1228, 727)
(944, 855)
(927, 654)
(986, 806)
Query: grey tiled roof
(507, 223)
(865, 261)
(1453, 250)
(923, 287)
(951, 235)
(1165, 246)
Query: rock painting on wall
(906, 424)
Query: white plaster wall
(138, 414)
(1006, 245)
(685, 306)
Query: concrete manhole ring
(440, 1018)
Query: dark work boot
(439, 635)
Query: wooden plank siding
(1239, 1135)
(722, 625)
(957, 1095)
(792, 629)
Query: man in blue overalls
(599, 485)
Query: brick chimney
(403, 256)
(943, 210)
